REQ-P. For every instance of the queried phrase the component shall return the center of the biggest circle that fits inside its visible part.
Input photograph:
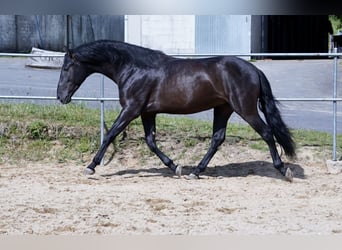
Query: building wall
(7, 33)
(88, 28)
(188, 34)
(19, 33)
(223, 34)
(173, 34)
(258, 33)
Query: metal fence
(334, 99)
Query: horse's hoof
(89, 171)
(178, 171)
(191, 177)
(289, 175)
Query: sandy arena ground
(240, 193)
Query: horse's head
(73, 73)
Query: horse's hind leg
(266, 133)
(221, 116)
(149, 123)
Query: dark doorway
(297, 34)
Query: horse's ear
(68, 51)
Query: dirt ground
(240, 193)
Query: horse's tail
(268, 106)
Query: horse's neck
(110, 71)
(120, 72)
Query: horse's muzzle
(64, 100)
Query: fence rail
(332, 55)
(53, 98)
(104, 99)
(334, 99)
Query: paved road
(289, 78)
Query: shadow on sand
(258, 168)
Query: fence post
(102, 114)
(335, 107)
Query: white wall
(173, 34)
(190, 34)
(223, 34)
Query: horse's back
(193, 85)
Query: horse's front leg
(125, 117)
(149, 123)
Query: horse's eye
(67, 67)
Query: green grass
(31, 132)
(71, 133)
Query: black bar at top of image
(150, 7)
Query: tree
(336, 22)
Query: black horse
(151, 82)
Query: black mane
(112, 51)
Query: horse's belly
(178, 106)
(187, 98)
(195, 107)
